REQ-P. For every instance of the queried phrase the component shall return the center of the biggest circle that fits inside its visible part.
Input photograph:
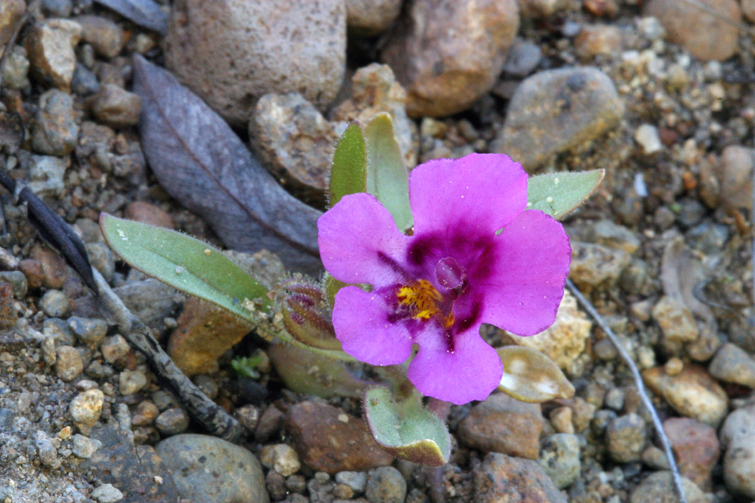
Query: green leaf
(405, 429)
(559, 193)
(185, 263)
(387, 176)
(311, 373)
(349, 172)
(530, 376)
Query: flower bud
(306, 314)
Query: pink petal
(479, 192)
(527, 272)
(361, 322)
(359, 242)
(471, 372)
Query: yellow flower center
(423, 299)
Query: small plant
(415, 265)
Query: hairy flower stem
(638, 382)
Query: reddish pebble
(149, 214)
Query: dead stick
(212, 417)
(638, 382)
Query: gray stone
(102, 259)
(559, 458)
(197, 462)
(55, 304)
(607, 233)
(708, 237)
(16, 69)
(115, 106)
(46, 175)
(46, 452)
(88, 330)
(734, 175)
(131, 381)
(523, 57)
(385, 485)
(448, 57)
(232, 52)
(500, 478)
(172, 421)
(368, 18)
(357, 481)
(733, 364)
(626, 436)
(54, 130)
(594, 265)
(84, 81)
(691, 212)
(295, 142)
(738, 438)
(57, 8)
(556, 111)
(659, 488)
(17, 281)
(58, 330)
(107, 493)
(85, 447)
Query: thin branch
(211, 416)
(638, 382)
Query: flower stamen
(424, 301)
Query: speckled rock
(46, 179)
(50, 46)
(374, 89)
(368, 18)
(86, 409)
(539, 123)
(733, 364)
(280, 457)
(116, 107)
(695, 447)
(55, 304)
(738, 440)
(675, 319)
(10, 13)
(16, 69)
(206, 468)
(449, 53)
(565, 340)
(114, 348)
(503, 424)
(659, 488)
(54, 129)
(131, 381)
(105, 36)
(734, 174)
(594, 265)
(295, 142)
(559, 458)
(107, 493)
(85, 447)
(501, 478)
(231, 52)
(626, 436)
(329, 440)
(385, 485)
(692, 393)
(702, 34)
(68, 364)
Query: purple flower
(476, 256)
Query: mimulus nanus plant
(476, 255)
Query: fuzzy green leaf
(559, 193)
(387, 176)
(405, 429)
(349, 172)
(185, 263)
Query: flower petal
(471, 372)
(524, 281)
(359, 242)
(361, 321)
(479, 192)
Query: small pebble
(84, 447)
(145, 414)
(172, 422)
(647, 136)
(561, 420)
(18, 282)
(114, 348)
(86, 409)
(89, 331)
(115, 106)
(47, 453)
(355, 480)
(281, 457)
(131, 381)
(626, 436)
(559, 458)
(385, 485)
(68, 364)
(107, 493)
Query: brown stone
(53, 267)
(147, 213)
(50, 46)
(695, 447)
(10, 13)
(504, 479)
(706, 36)
(270, 423)
(105, 36)
(692, 393)
(115, 106)
(204, 332)
(503, 424)
(448, 53)
(329, 440)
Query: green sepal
(349, 171)
(185, 263)
(559, 193)
(405, 429)
(387, 176)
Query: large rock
(704, 35)
(555, 111)
(448, 53)
(231, 52)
